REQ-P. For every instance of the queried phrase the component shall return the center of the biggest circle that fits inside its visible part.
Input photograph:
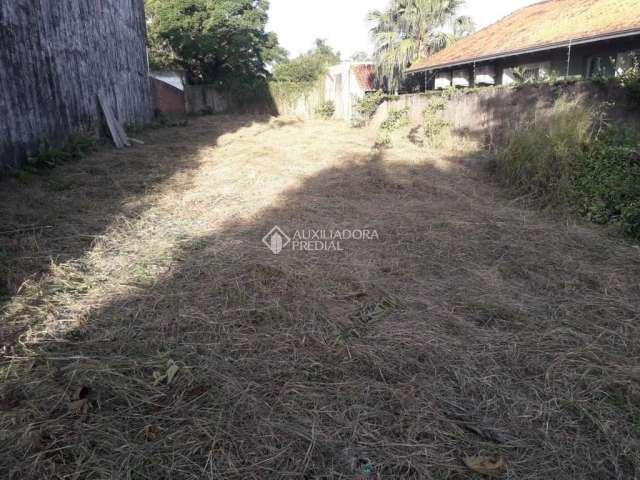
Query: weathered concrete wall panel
(206, 99)
(55, 56)
(488, 113)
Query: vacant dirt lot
(148, 333)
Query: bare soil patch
(148, 333)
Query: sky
(343, 22)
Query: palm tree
(411, 29)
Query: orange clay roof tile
(366, 76)
(543, 24)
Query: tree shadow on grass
(56, 216)
(394, 357)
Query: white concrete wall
(342, 88)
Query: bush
(541, 157)
(569, 158)
(607, 182)
(396, 120)
(368, 105)
(433, 123)
(77, 146)
(326, 110)
(629, 80)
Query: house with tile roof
(348, 82)
(561, 38)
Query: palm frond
(408, 29)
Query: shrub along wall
(209, 99)
(55, 56)
(564, 145)
(275, 98)
(488, 114)
(300, 99)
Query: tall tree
(360, 57)
(221, 42)
(410, 29)
(308, 67)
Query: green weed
(326, 110)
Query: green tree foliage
(360, 57)
(367, 106)
(220, 42)
(629, 80)
(607, 180)
(410, 29)
(308, 67)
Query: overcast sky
(342, 22)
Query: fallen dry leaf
(172, 371)
(151, 433)
(168, 376)
(197, 391)
(8, 404)
(79, 407)
(37, 441)
(490, 466)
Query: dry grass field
(146, 332)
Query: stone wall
(55, 56)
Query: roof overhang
(524, 51)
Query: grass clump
(76, 147)
(326, 110)
(396, 120)
(433, 123)
(571, 157)
(541, 158)
(629, 80)
(368, 105)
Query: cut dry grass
(472, 327)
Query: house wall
(55, 56)
(559, 58)
(337, 87)
(342, 88)
(488, 113)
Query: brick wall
(167, 98)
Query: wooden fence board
(55, 57)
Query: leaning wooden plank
(123, 134)
(112, 123)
